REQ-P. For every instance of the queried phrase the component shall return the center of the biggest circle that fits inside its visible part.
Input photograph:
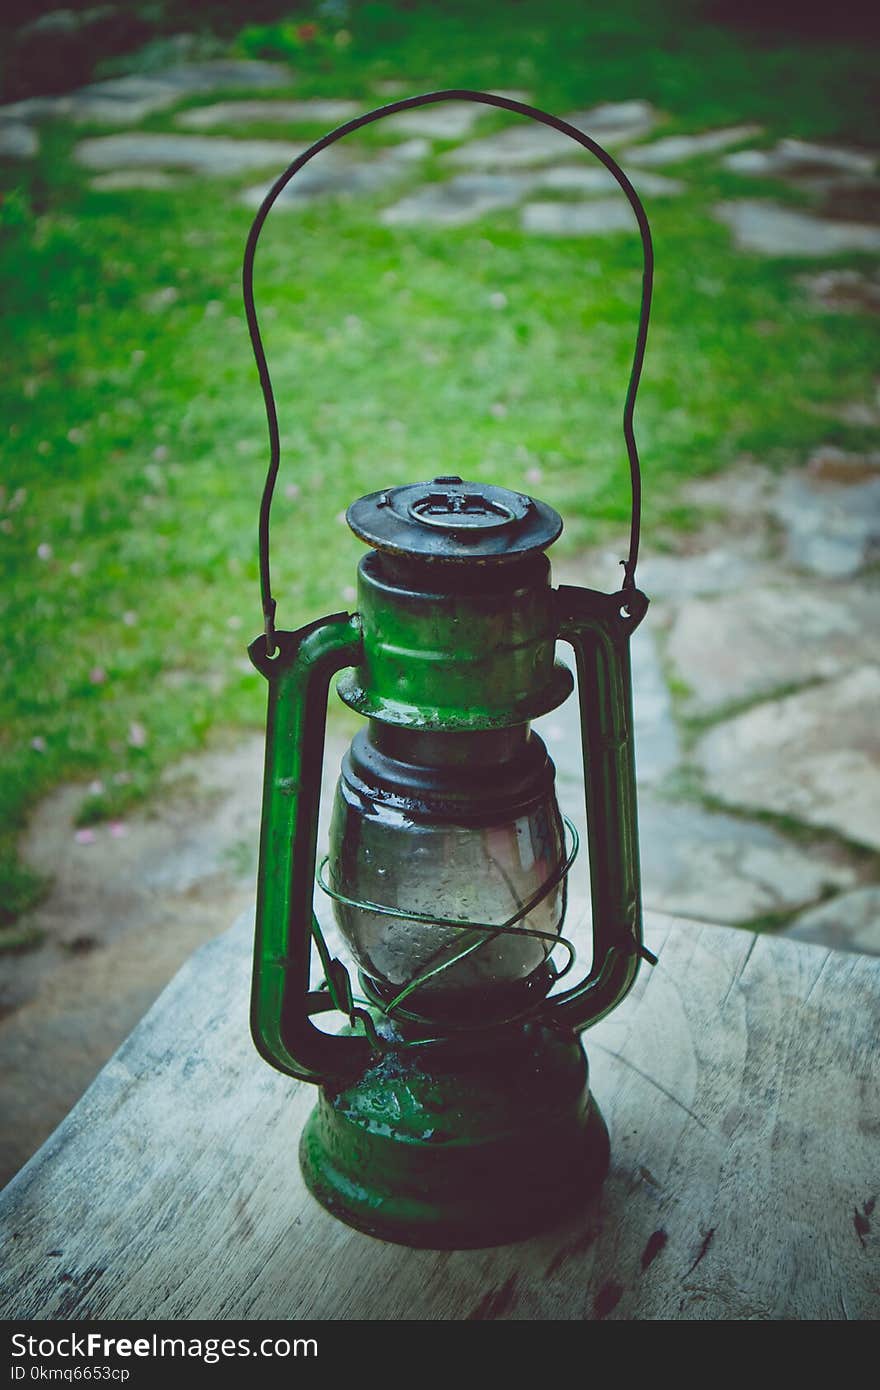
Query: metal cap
(451, 520)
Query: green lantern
(454, 1107)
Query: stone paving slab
(693, 858)
(775, 230)
(595, 178)
(200, 154)
(674, 149)
(341, 172)
(740, 869)
(723, 569)
(744, 645)
(118, 180)
(814, 756)
(466, 197)
(800, 159)
(447, 120)
(18, 141)
(850, 922)
(528, 143)
(238, 113)
(457, 201)
(128, 100)
(595, 218)
(832, 528)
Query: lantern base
(454, 1151)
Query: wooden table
(739, 1081)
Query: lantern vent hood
(450, 520)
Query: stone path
(128, 100)
(782, 231)
(813, 756)
(757, 671)
(523, 164)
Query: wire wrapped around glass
(459, 841)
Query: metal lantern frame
(501, 672)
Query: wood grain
(739, 1081)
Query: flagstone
(457, 201)
(674, 149)
(528, 142)
(238, 113)
(774, 230)
(579, 219)
(707, 864)
(814, 756)
(443, 120)
(800, 159)
(742, 645)
(121, 179)
(18, 141)
(128, 100)
(831, 520)
(339, 172)
(595, 178)
(848, 922)
(200, 154)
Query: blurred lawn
(134, 435)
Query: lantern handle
(405, 104)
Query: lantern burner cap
(448, 519)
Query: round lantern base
(453, 1152)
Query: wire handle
(408, 103)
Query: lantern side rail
(598, 627)
(299, 677)
(349, 127)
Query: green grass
(134, 436)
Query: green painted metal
(299, 677)
(450, 1149)
(599, 626)
(477, 654)
(460, 1143)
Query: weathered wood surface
(739, 1081)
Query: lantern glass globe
(479, 874)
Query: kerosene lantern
(454, 1107)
